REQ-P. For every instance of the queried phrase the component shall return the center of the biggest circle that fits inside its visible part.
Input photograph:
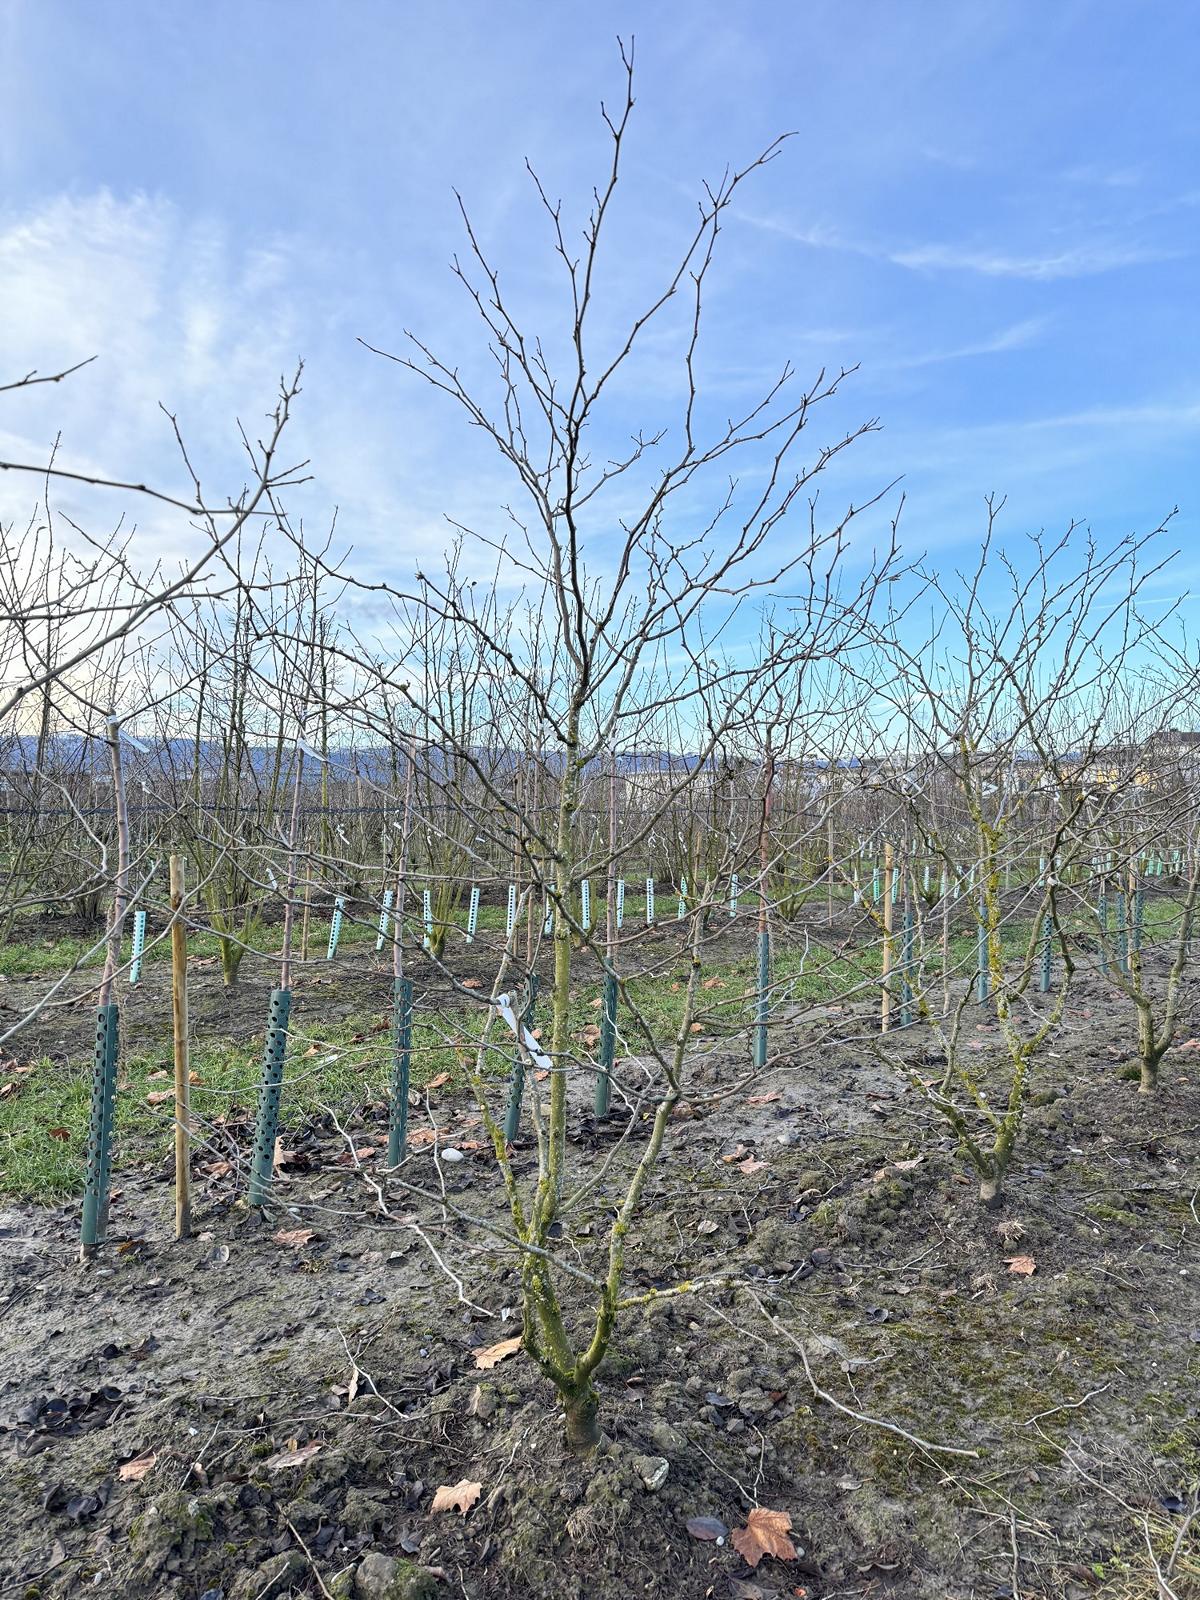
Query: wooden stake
(183, 1093)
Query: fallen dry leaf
(459, 1496)
(293, 1238)
(735, 1154)
(897, 1166)
(472, 983)
(59, 1133)
(423, 1137)
(765, 1534)
(1025, 1266)
(295, 1455)
(157, 1096)
(713, 983)
(751, 1166)
(764, 1099)
(438, 1082)
(485, 1360)
(134, 1471)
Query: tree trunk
(1147, 1054)
(990, 1193)
(231, 960)
(581, 1410)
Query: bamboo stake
(179, 1014)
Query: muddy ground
(302, 1398)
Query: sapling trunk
(581, 1414)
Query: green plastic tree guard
(608, 1044)
(906, 959)
(270, 1089)
(402, 1014)
(139, 945)
(762, 1008)
(100, 1124)
(981, 957)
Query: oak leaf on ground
(460, 1496)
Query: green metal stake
(512, 1116)
(1139, 915)
(763, 1004)
(608, 1044)
(1047, 934)
(402, 1015)
(1122, 934)
(270, 1088)
(100, 1123)
(1102, 918)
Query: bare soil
(846, 1214)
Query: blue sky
(993, 209)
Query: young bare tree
(1003, 714)
(627, 637)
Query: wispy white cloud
(1016, 336)
(1083, 260)
(1087, 258)
(1105, 177)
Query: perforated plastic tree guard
(100, 1123)
(402, 1013)
(270, 1089)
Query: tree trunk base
(582, 1416)
(991, 1196)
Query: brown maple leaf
(765, 1534)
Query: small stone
(449, 1153)
(652, 1470)
(666, 1438)
(380, 1577)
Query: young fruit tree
(641, 550)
